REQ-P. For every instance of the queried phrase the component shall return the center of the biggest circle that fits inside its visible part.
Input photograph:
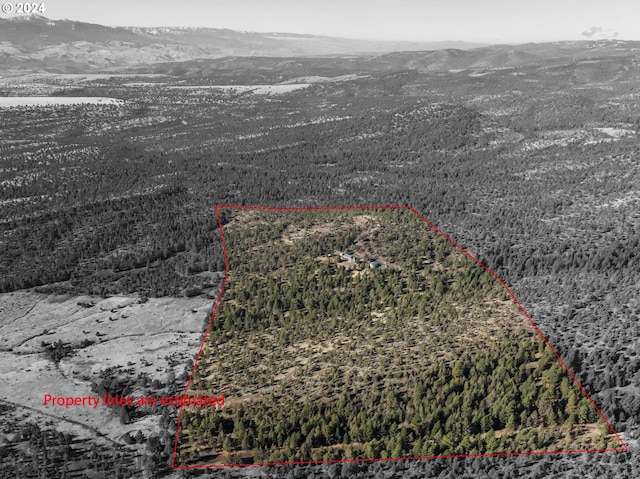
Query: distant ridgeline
(322, 357)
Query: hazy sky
(428, 20)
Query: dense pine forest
(326, 358)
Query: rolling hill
(36, 42)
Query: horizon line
(474, 43)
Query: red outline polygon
(622, 448)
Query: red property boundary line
(622, 448)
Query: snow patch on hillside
(13, 101)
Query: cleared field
(255, 89)
(136, 339)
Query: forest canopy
(364, 334)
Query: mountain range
(36, 43)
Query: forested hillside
(534, 170)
